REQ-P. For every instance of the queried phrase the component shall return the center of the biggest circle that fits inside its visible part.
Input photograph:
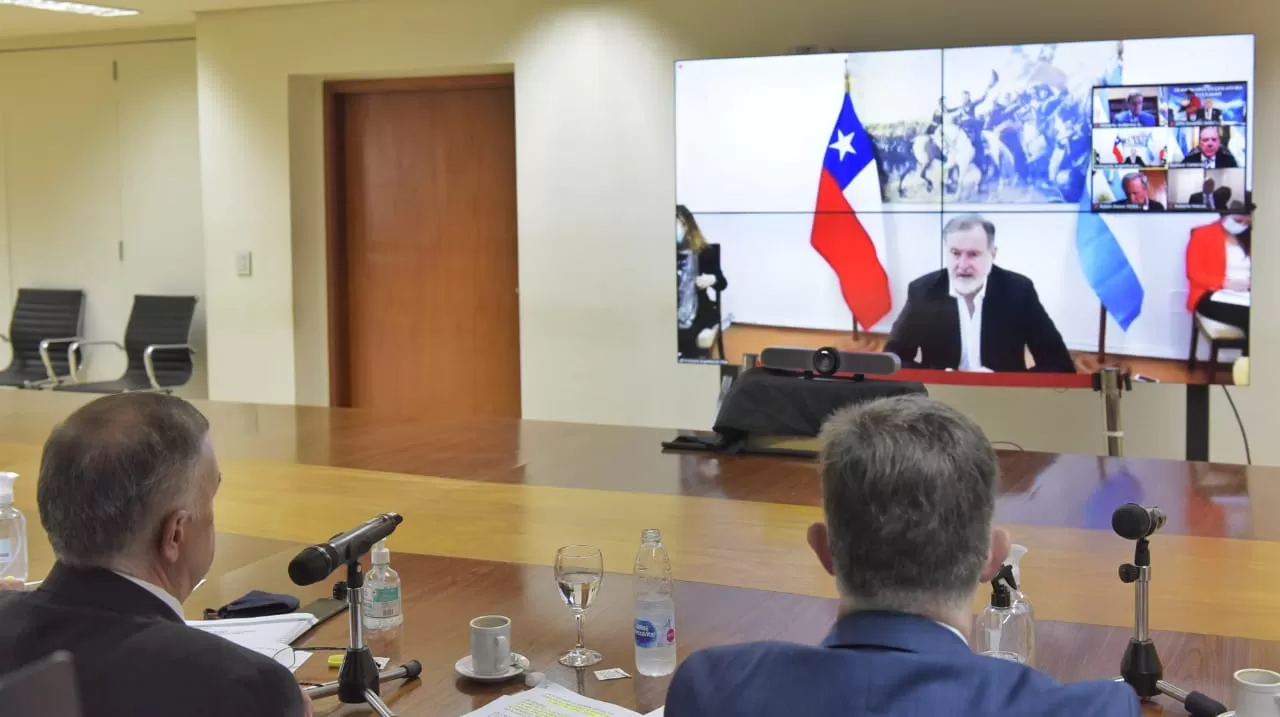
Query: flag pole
(848, 90)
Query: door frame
(335, 214)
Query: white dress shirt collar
(970, 329)
(159, 592)
(957, 632)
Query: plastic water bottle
(382, 592)
(13, 533)
(655, 608)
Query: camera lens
(826, 361)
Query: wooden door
(424, 314)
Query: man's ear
(994, 250)
(999, 553)
(820, 542)
(173, 535)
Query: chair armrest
(74, 349)
(44, 354)
(150, 363)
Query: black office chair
(42, 318)
(156, 343)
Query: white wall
(595, 182)
(100, 189)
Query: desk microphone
(1134, 522)
(316, 562)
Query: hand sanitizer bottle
(382, 609)
(1021, 603)
(13, 533)
(1003, 631)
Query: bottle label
(6, 552)
(382, 602)
(650, 635)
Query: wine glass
(579, 572)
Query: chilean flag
(1116, 151)
(848, 205)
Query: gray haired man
(126, 494)
(908, 489)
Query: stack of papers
(270, 636)
(553, 701)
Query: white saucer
(519, 663)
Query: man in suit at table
(125, 494)
(909, 491)
(973, 315)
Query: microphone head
(310, 566)
(1134, 522)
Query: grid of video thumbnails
(1169, 147)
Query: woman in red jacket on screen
(1219, 268)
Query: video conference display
(998, 210)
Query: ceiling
(19, 21)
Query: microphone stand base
(408, 671)
(1141, 668)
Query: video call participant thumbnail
(1133, 113)
(1137, 194)
(973, 315)
(1209, 152)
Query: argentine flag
(1105, 265)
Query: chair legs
(1213, 355)
(1195, 344)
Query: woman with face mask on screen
(1219, 268)
(699, 282)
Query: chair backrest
(46, 688)
(40, 314)
(161, 320)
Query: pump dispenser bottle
(1004, 630)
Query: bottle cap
(1016, 553)
(1002, 586)
(6, 487)
(650, 536)
(380, 555)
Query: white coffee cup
(1257, 693)
(491, 645)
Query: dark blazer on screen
(133, 656)
(1013, 321)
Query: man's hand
(13, 585)
(705, 281)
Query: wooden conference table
(487, 503)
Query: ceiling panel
(19, 21)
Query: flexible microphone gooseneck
(317, 562)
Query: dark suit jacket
(1199, 114)
(880, 663)
(1013, 320)
(1224, 159)
(134, 657)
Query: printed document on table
(550, 701)
(250, 631)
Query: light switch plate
(244, 263)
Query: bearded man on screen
(973, 315)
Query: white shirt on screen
(1239, 265)
(970, 330)
(159, 592)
